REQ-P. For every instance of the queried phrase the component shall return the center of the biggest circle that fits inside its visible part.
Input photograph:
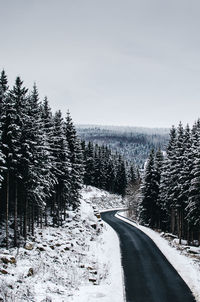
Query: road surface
(148, 276)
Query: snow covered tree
(121, 179)
(62, 169)
(76, 159)
(166, 182)
(12, 121)
(193, 185)
(158, 163)
(148, 204)
(89, 165)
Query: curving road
(148, 276)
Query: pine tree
(166, 182)
(76, 159)
(19, 97)
(193, 207)
(12, 121)
(62, 169)
(3, 96)
(121, 179)
(148, 204)
(158, 163)
(89, 165)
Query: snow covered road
(148, 275)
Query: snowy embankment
(106, 250)
(188, 268)
(79, 261)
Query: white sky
(114, 62)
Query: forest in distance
(134, 143)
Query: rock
(67, 248)
(98, 215)
(92, 280)
(3, 271)
(193, 251)
(6, 260)
(52, 247)
(58, 244)
(40, 248)
(30, 272)
(90, 268)
(169, 235)
(19, 281)
(28, 246)
(94, 226)
(12, 260)
(10, 286)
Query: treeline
(133, 146)
(171, 186)
(43, 164)
(106, 170)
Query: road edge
(135, 224)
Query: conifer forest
(100, 151)
(171, 186)
(43, 164)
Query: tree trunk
(32, 220)
(7, 208)
(172, 221)
(16, 215)
(40, 218)
(46, 216)
(179, 225)
(188, 233)
(25, 219)
(199, 237)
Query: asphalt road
(148, 276)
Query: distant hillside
(124, 129)
(132, 142)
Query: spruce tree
(166, 182)
(148, 204)
(121, 179)
(62, 169)
(76, 159)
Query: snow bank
(188, 268)
(108, 256)
(79, 261)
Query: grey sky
(128, 62)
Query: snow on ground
(102, 199)
(79, 261)
(188, 268)
(108, 255)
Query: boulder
(3, 271)
(93, 280)
(40, 248)
(30, 272)
(28, 246)
(7, 260)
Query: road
(148, 275)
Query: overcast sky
(113, 62)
